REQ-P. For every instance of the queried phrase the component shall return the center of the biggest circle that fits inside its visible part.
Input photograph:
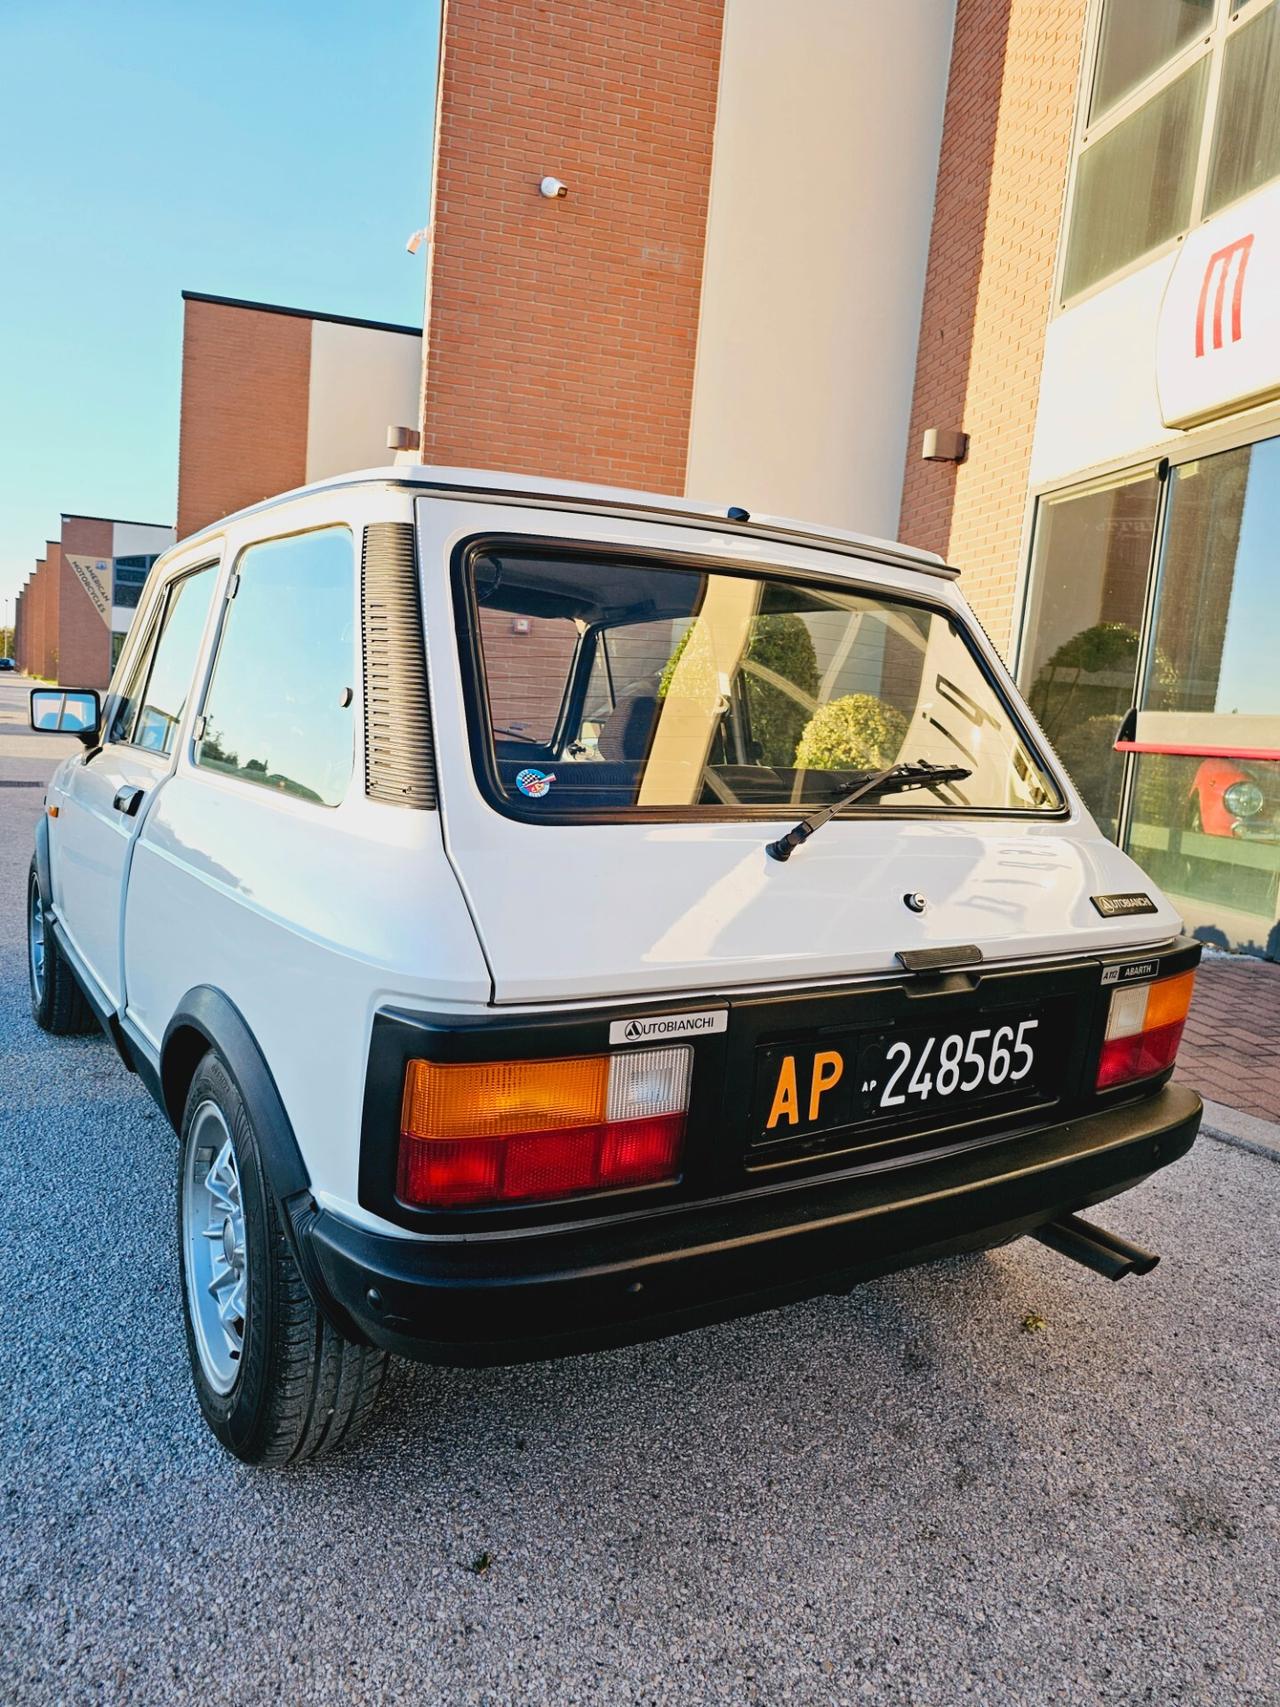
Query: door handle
(128, 800)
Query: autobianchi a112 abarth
(551, 916)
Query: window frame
(149, 646)
(1229, 17)
(195, 734)
(479, 734)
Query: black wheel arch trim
(44, 867)
(214, 1017)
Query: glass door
(1207, 827)
(1090, 573)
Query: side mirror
(67, 711)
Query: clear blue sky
(276, 151)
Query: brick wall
(561, 334)
(1005, 146)
(29, 634)
(52, 609)
(84, 638)
(243, 431)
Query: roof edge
(301, 313)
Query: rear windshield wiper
(894, 779)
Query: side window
(131, 688)
(149, 717)
(279, 706)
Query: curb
(1244, 1131)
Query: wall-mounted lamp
(944, 444)
(551, 188)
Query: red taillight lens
(520, 1131)
(1144, 1028)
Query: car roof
(499, 486)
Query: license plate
(852, 1078)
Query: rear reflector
(1144, 1028)
(525, 1131)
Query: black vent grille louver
(399, 758)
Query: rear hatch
(621, 727)
(584, 912)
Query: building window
(1196, 647)
(1134, 185)
(129, 576)
(1183, 118)
(1246, 148)
(1135, 41)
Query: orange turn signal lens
(518, 1131)
(493, 1099)
(1169, 1001)
(1144, 1029)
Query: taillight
(1144, 1028)
(520, 1131)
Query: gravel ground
(998, 1480)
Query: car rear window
(605, 685)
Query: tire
(276, 1382)
(58, 1003)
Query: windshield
(617, 686)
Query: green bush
(779, 644)
(857, 732)
(1089, 674)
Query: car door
(106, 796)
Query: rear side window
(155, 695)
(278, 712)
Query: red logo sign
(1221, 265)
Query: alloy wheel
(214, 1250)
(36, 948)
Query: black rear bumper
(506, 1298)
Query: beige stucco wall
(826, 153)
(363, 380)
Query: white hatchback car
(552, 915)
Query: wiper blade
(894, 779)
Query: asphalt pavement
(997, 1480)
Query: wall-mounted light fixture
(551, 188)
(944, 444)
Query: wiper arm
(894, 779)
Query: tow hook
(1095, 1248)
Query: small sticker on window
(535, 783)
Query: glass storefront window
(1080, 662)
(1208, 829)
(1134, 185)
(1137, 37)
(1216, 610)
(1246, 145)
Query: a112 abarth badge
(535, 783)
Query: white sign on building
(1218, 339)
